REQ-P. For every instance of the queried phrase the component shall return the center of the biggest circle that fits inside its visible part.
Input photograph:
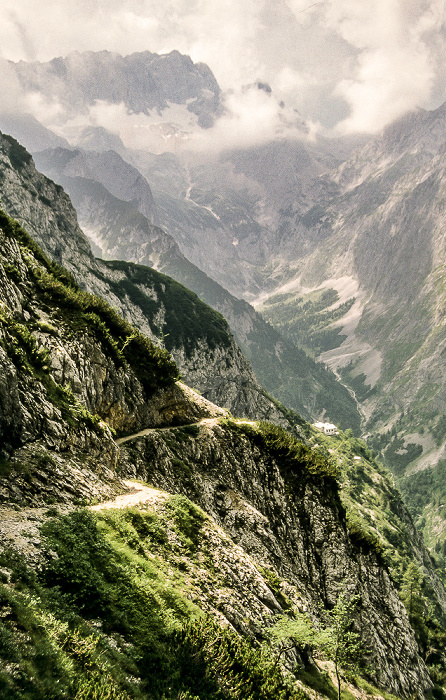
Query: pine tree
(338, 641)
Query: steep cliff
(46, 212)
(68, 363)
(289, 521)
(73, 370)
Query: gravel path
(146, 431)
(138, 493)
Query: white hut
(327, 428)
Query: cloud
(252, 116)
(396, 60)
(390, 82)
(13, 99)
(24, 35)
(351, 65)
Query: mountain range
(340, 249)
(242, 525)
(338, 244)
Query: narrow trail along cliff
(138, 494)
(141, 493)
(147, 431)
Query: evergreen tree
(338, 641)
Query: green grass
(372, 690)
(80, 311)
(317, 680)
(108, 617)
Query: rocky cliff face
(295, 530)
(44, 209)
(59, 383)
(289, 219)
(66, 356)
(59, 369)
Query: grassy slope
(122, 612)
(118, 614)
(151, 364)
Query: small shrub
(274, 584)
(190, 430)
(206, 653)
(147, 525)
(6, 467)
(23, 348)
(362, 537)
(82, 554)
(187, 518)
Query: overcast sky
(348, 65)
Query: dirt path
(138, 493)
(147, 431)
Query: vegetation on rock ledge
(108, 617)
(83, 311)
(295, 459)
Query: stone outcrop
(299, 533)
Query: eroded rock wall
(299, 532)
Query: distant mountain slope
(389, 216)
(120, 232)
(142, 82)
(229, 205)
(382, 221)
(107, 168)
(30, 132)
